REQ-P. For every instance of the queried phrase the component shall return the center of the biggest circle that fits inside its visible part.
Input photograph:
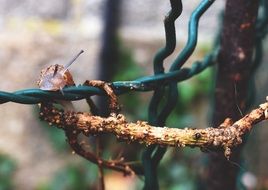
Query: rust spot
(236, 77)
(245, 26)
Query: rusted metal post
(233, 74)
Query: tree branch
(226, 136)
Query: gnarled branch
(226, 136)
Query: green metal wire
(156, 82)
(192, 34)
(150, 168)
(152, 156)
(148, 83)
(162, 83)
(172, 96)
(185, 54)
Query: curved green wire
(170, 35)
(162, 54)
(192, 34)
(148, 83)
(150, 169)
(34, 96)
(183, 56)
(176, 74)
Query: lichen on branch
(226, 136)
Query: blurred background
(120, 39)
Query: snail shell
(55, 77)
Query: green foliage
(80, 176)
(57, 138)
(195, 87)
(7, 169)
(190, 92)
(127, 69)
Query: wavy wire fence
(162, 83)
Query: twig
(72, 133)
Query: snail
(56, 77)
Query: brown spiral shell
(52, 78)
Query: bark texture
(234, 70)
